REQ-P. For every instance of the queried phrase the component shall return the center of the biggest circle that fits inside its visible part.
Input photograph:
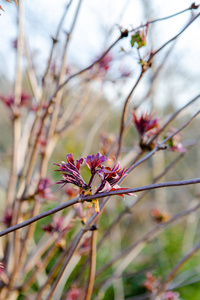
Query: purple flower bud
(70, 172)
(95, 161)
(145, 124)
(44, 189)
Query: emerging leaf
(138, 38)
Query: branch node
(55, 41)
(194, 6)
(124, 33)
(93, 228)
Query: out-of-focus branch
(51, 131)
(17, 101)
(85, 69)
(147, 237)
(177, 35)
(39, 267)
(181, 128)
(191, 7)
(41, 216)
(57, 265)
(144, 68)
(173, 117)
(55, 39)
(33, 142)
(82, 108)
(35, 88)
(92, 132)
(46, 248)
(74, 247)
(92, 266)
(175, 270)
(154, 77)
(124, 113)
(11, 194)
(139, 198)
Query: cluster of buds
(174, 142)
(43, 189)
(170, 295)
(104, 65)
(58, 228)
(3, 275)
(7, 217)
(151, 283)
(109, 177)
(159, 216)
(146, 126)
(100, 69)
(56, 225)
(74, 294)
(9, 101)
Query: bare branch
(100, 195)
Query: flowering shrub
(52, 246)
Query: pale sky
(95, 19)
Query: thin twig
(56, 39)
(177, 35)
(145, 67)
(49, 253)
(35, 88)
(85, 69)
(191, 7)
(181, 128)
(173, 117)
(17, 101)
(100, 195)
(92, 266)
(41, 216)
(74, 247)
(16, 138)
(51, 131)
(29, 234)
(124, 113)
(175, 270)
(147, 237)
(154, 77)
(33, 142)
